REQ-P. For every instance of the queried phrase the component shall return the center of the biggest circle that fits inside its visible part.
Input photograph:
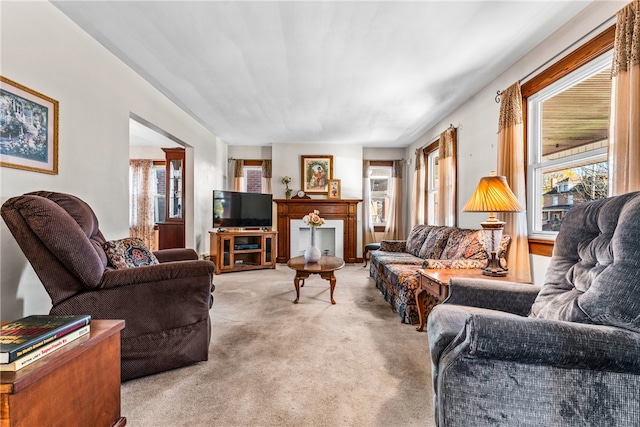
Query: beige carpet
(275, 363)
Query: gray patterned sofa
(394, 267)
(566, 353)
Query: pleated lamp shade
(493, 195)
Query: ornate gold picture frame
(28, 129)
(316, 173)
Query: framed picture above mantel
(28, 128)
(316, 173)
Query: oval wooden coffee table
(325, 268)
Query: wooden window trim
(253, 162)
(388, 163)
(432, 147)
(589, 51)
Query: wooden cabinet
(243, 250)
(77, 385)
(171, 232)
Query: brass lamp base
(493, 269)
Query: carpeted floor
(275, 363)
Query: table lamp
(493, 195)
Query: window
(433, 186)
(252, 176)
(159, 199)
(380, 181)
(567, 135)
(252, 179)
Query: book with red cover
(28, 334)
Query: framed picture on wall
(28, 129)
(334, 189)
(316, 173)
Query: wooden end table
(435, 282)
(325, 268)
(77, 385)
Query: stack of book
(31, 338)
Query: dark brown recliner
(165, 306)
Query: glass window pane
(253, 179)
(577, 119)
(562, 189)
(379, 179)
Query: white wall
(477, 119)
(43, 50)
(146, 152)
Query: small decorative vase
(312, 253)
(287, 193)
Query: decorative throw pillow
(128, 252)
(416, 238)
(464, 243)
(435, 242)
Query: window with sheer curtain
(382, 188)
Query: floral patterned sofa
(394, 267)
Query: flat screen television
(234, 209)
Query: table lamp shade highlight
(493, 195)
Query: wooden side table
(77, 385)
(435, 282)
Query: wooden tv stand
(239, 250)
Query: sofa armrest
(175, 254)
(393, 245)
(551, 342)
(511, 297)
(172, 271)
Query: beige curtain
(393, 229)
(368, 233)
(624, 132)
(141, 221)
(238, 174)
(266, 177)
(446, 214)
(511, 164)
(418, 191)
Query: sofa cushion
(397, 258)
(128, 253)
(593, 275)
(416, 238)
(465, 244)
(435, 242)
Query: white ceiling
(373, 73)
